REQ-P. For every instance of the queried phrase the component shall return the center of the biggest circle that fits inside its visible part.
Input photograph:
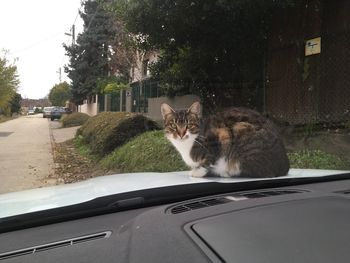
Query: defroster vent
(185, 207)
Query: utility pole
(72, 34)
(59, 74)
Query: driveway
(62, 134)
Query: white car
(47, 112)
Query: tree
(205, 44)
(60, 93)
(8, 81)
(89, 58)
(15, 103)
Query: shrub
(149, 152)
(315, 159)
(74, 119)
(108, 130)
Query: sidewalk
(62, 134)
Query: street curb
(53, 146)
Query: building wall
(178, 102)
(30, 103)
(90, 108)
(137, 71)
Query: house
(130, 100)
(144, 95)
(29, 104)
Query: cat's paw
(198, 172)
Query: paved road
(25, 153)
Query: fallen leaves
(72, 167)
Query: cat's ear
(166, 109)
(195, 108)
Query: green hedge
(74, 119)
(149, 152)
(109, 130)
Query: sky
(33, 32)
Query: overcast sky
(33, 31)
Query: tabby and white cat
(235, 142)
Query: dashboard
(300, 223)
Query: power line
(76, 17)
(37, 43)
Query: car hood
(63, 195)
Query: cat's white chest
(184, 148)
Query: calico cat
(234, 142)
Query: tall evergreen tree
(89, 57)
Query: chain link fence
(334, 93)
(316, 88)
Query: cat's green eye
(173, 125)
(191, 125)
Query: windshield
(183, 91)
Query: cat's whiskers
(195, 140)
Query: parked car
(31, 112)
(57, 112)
(47, 112)
(68, 110)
